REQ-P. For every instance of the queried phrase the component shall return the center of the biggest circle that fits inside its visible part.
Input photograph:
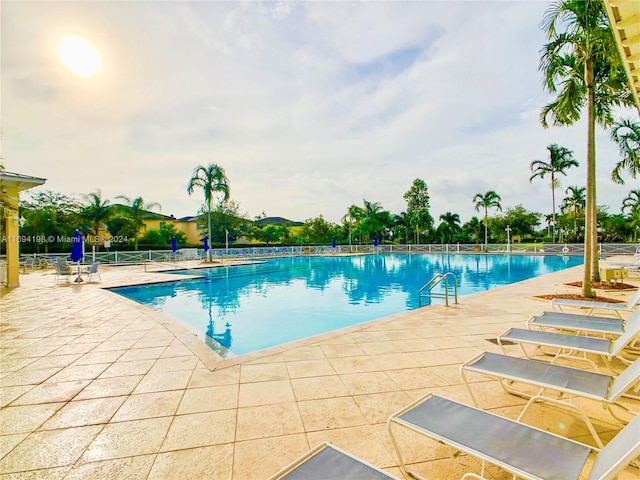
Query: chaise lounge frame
(581, 324)
(327, 462)
(522, 450)
(577, 346)
(593, 306)
(606, 389)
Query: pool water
(242, 309)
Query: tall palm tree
(626, 133)
(213, 180)
(582, 66)
(560, 159)
(575, 203)
(136, 213)
(97, 211)
(489, 199)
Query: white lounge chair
(569, 345)
(567, 381)
(522, 450)
(587, 324)
(326, 462)
(608, 307)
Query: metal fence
(145, 256)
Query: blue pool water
(243, 309)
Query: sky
(310, 107)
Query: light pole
(508, 230)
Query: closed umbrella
(375, 241)
(206, 244)
(76, 251)
(174, 247)
(333, 242)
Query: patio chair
(28, 262)
(522, 450)
(568, 345)
(63, 270)
(93, 271)
(587, 324)
(326, 462)
(607, 307)
(605, 389)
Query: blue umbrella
(333, 242)
(375, 241)
(76, 247)
(174, 244)
(76, 251)
(206, 243)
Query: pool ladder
(435, 281)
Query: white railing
(142, 256)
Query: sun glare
(79, 56)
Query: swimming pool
(243, 309)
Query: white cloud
(310, 106)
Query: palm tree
(449, 227)
(212, 179)
(489, 200)
(574, 203)
(626, 133)
(136, 213)
(560, 158)
(375, 218)
(632, 202)
(352, 219)
(584, 64)
(97, 211)
(474, 227)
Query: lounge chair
(588, 324)
(522, 450)
(566, 380)
(608, 307)
(568, 345)
(326, 462)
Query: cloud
(309, 106)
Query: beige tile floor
(96, 386)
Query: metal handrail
(436, 280)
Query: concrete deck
(96, 386)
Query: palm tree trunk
(209, 230)
(595, 267)
(485, 230)
(553, 206)
(589, 247)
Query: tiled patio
(96, 386)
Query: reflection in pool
(242, 309)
